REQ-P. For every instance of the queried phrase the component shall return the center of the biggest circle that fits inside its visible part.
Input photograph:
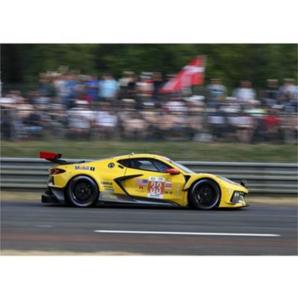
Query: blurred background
(103, 99)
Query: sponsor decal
(85, 168)
(107, 196)
(109, 188)
(111, 165)
(168, 193)
(107, 182)
(178, 189)
(108, 185)
(141, 183)
(156, 187)
(168, 185)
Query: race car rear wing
(52, 157)
(55, 158)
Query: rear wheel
(204, 194)
(82, 191)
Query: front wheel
(204, 194)
(82, 191)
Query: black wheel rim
(206, 196)
(82, 192)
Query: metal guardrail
(261, 178)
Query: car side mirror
(172, 171)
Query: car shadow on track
(145, 207)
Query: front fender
(227, 187)
(197, 177)
(228, 184)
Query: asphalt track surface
(260, 229)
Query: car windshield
(181, 167)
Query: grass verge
(174, 150)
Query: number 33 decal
(156, 186)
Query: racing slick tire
(82, 191)
(204, 194)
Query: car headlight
(237, 196)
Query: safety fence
(261, 178)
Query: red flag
(192, 74)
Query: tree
(22, 63)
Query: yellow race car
(138, 179)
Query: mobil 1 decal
(156, 187)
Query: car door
(147, 178)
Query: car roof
(141, 155)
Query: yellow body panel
(114, 179)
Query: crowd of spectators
(71, 105)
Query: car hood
(221, 180)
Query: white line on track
(188, 233)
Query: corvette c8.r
(138, 179)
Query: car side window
(145, 164)
(162, 167)
(125, 162)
